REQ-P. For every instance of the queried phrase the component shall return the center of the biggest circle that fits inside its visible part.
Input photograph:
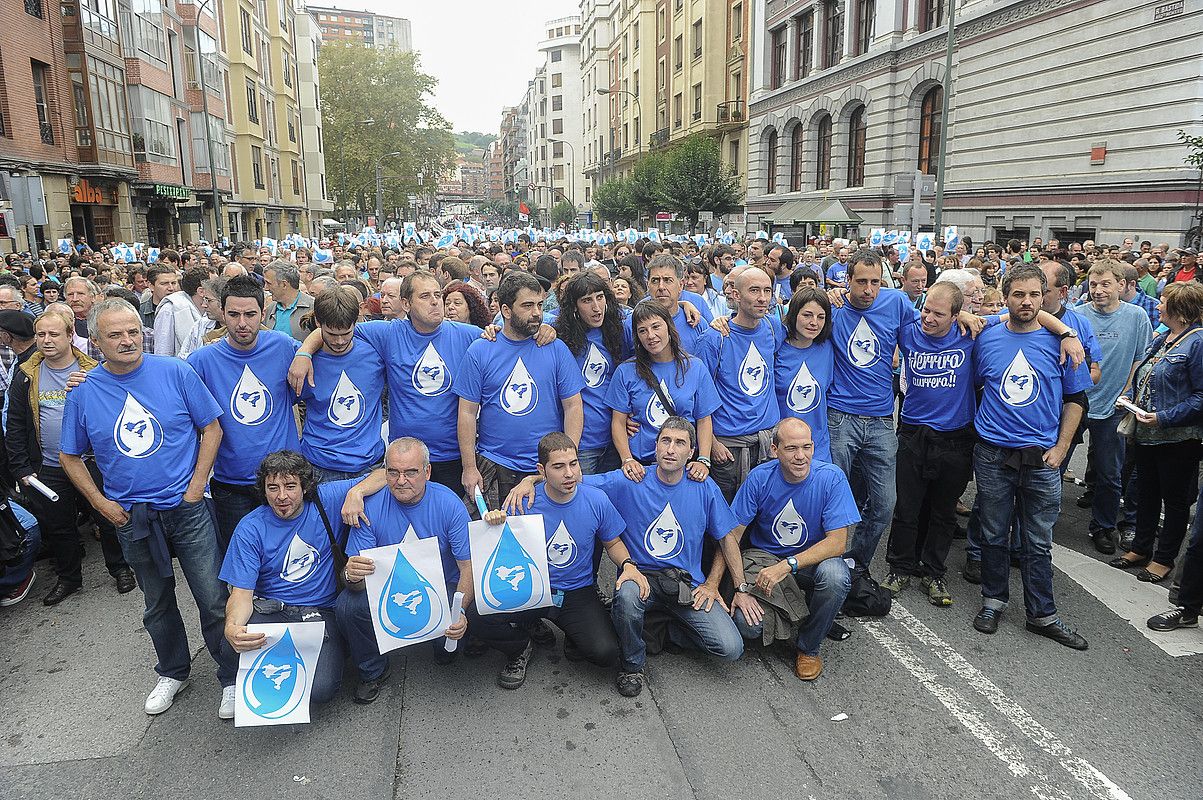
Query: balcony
(731, 112)
(614, 155)
(659, 138)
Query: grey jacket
(304, 306)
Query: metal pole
(200, 56)
(939, 213)
(379, 196)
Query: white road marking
(1129, 598)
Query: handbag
(336, 549)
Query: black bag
(671, 583)
(340, 556)
(866, 598)
(13, 536)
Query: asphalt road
(916, 705)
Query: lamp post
(204, 84)
(380, 187)
(571, 179)
(638, 139)
(947, 94)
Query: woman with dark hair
(804, 367)
(631, 268)
(627, 291)
(661, 381)
(462, 302)
(697, 280)
(590, 325)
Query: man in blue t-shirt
(152, 427)
(512, 393)
(1030, 407)
(413, 505)
(247, 371)
(576, 519)
(796, 512)
(280, 564)
(665, 282)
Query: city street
(916, 705)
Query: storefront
(156, 212)
(94, 211)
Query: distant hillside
(474, 139)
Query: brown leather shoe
(807, 668)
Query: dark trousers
(328, 676)
(582, 617)
(933, 469)
(449, 474)
(230, 504)
(1190, 590)
(1166, 474)
(59, 524)
(498, 482)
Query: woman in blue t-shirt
(660, 367)
(804, 365)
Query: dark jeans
(60, 529)
(1107, 458)
(1190, 590)
(16, 574)
(497, 482)
(582, 617)
(826, 585)
(596, 462)
(712, 631)
(933, 469)
(1167, 474)
(1038, 492)
(354, 620)
(230, 504)
(449, 474)
(328, 676)
(189, 531)
(331, 475)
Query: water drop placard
(509, 564)
(274, 682)
(407, 594)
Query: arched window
(930, 122)
(856, 148)
(772, 153)
(823, 154)
(795, 159)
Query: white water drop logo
(862, 345)
(346, 404)
(300, 561)
(1019, 386)
(520, 395)
(137, 433)
(594, 370)
(431, 376)
(663, 537)
(804, 392)
(655, 412)
(561, 548)
(788, 526)
(753, 373)
(250, 402)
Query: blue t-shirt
(665, 524)
(742, 366)
(285, 559)
(1024, 384)
(420, 369)
(520, 388)
(252, 386)
(1090, 343)
(700, 303)
(781, 291)
(597, 367)
(938, 374)
(142, 426)
(342, 409)
(573, 530)
(802, 376)
(837, 272)
(693, 396)
(864, 353)
(688, 335)
(439, 513)
(1123, 336)
(786, 518)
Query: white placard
(275, 682)
(509, 564)
(407, 594)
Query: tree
(694, 179)
(360, 83)
(643, 186)
(612, 202)
(562, 213)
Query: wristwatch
(793, 564)
(1069, 334)
(743, 587)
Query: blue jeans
(826, 585)
(17, 573)
(328, 677)
(354, 620)
(1107, 455)
(189, 531)
(865, 448)
(712, 631)
(229, 507)
(595, 462)
(1038, 492)
(973, 530)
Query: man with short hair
(289, 304)
(837, 272)
(163, 280)
(914, 283)
(1135, 293)
(780, 261)
(152, 426)
(178, 313)
(665, 283)
(390, 299)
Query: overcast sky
(482, 52)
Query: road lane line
(1089, 777)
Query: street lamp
(571, 164)
(380, 186)
(638, 138)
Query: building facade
(1055, 127)
(309, 44)
(514, 157)
(363, 27)
(554, 135)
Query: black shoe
(1104, 540)
(972, 571)
(513, 674)
(367, 691)
(1126, 535)
(1086, 500)
(571, 651)
(59, 593)
(441, 656)
(1173, 620)
(475, 648)
(1060, 633)
(987, 619)
(125, 581)
(541, 633)
(629, 684)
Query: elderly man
(288, 304)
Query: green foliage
(562, 213)
(694, 179)
(643, 186)
(612, 202)
(359, 83)
(475, 139)
(1194, 149)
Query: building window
(557, 80)
(930, 123)
(287, 70)
(4, 129)
(931, 14)
(778, 51)
(661, 26)
(557, 126)
(677, 104)
(556, 55)
(247, 42)
(110, 116)
(772, 156)
(252, 102)
(257, 166)
(735, 163)
(635, 37)
(856, 148)
(795, 159)
(866, 12)
(823, 154)
(41, 100)
(697, 39)
(557, 149)
(678, 53)
(804, 45)
(697, 102)
(296, 178)
(292, 127)
(833, 14)
(737, 22)
(153, 124)
(34, 8)
(557, 102)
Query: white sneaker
(226, 709)
(163, 695)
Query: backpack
(866, 598)
(13, 538)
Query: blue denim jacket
(1176, 386)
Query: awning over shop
(800, 212)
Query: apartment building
(363, 27)
(554, 136)
(313, 145)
